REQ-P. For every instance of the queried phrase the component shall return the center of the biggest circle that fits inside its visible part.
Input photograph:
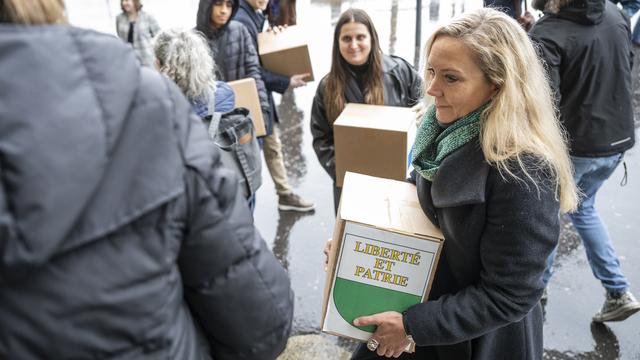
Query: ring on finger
(372, 344)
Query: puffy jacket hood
(587, 12)
(203, 19)
(69, 173)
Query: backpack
(240, 149)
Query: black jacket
(234, 52)
(484, 301)
(121, 236)
(254, 21)
(587, 50)
(402, 87)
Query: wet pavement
(297, 238)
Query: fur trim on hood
(586, 12)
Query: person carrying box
(360, 73)
(250, 14)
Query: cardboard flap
(390, 118)
(289, 37)
(246, 93)
(385, 203)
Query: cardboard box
(374, 140)
(246, 93)
(383, 255)
(287, 52)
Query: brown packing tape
(245, 138)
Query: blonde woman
(138, 28)
(492, 171)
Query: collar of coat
(352, 91)
(461, 178)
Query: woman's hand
(276, 29)
(326, 251)
(419, 109)
(298, 80)
(390, 332)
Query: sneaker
(617, 309)
(294, 202)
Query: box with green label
(383, 257)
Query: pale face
(220, 13)
(128, 6)
(455, 80)
(258, 4)
(355, 43)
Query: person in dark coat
(121, 236)
(492, 171)
(235, 54)
(282, 12)
(183, 56)
(587, 48)
(360, 73)
(231, 45)
(250, 14)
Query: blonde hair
(184, 56)
(33, 12)
(521, 118)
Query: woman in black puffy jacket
(120, 234)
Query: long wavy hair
(184, 56)
(32, 12)
(521, 118)
(334, 100)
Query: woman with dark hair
(138, 28)
(360, 73)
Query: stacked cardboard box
(383, 257)
(374, 140)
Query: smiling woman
(360, 73)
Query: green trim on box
(354, 299)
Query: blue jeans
(630, 7)
(590, 174)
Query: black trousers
(336, 197)
(422, 353)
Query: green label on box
(377, 271)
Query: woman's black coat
(402, 87)
(484, 303)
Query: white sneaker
(617, 309)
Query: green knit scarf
(433, 143)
